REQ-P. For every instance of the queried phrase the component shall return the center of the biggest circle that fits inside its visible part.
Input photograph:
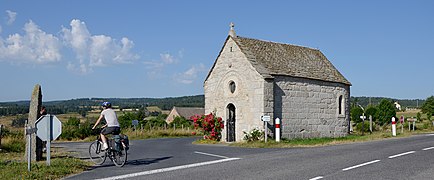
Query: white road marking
(168, 169)
(402, 154)
(208, 154)
(360, 165)
(430, 135)
(316, 178)
(425, 149)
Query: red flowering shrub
(210, 125)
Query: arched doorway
(230, 123)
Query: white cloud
(11, 17)
(167, 58)
(96, 50)
(34, 46)
(190, 75)
(156, 67)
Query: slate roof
(187, 112)
(271, 58)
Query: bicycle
(116, 152)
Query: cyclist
(112, 123)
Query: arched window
(341, 102)
(232, 86)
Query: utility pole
(363, 117)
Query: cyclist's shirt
(110, 117)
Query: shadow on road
(136, 162)
(146, 161)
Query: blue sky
(123, 49)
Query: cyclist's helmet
(106, 104)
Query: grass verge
(313, 142)
(14, 166)
(60, 167)
(157, 133)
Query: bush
(125, 120)
(20, 121)
(73, 129)
(426, 125)
(254, 135)
(180, 122)
(366, 126)
(14, 145)
(210, 125)
(154, 122)
(12, 141)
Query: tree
(356, 112)
(419, 116)
(372, 111)
(386, 111)
(125, 120)
(428, 107)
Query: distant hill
(408, 103)
(85, 104)
(77, 105)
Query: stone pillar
(35, 106)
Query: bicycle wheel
(119, 157)
(96, 155)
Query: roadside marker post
(393, 126)
(277, 126)
(266, 119)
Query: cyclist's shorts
(111, 130)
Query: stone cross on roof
(232, 31)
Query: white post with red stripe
(277, 126)
(393, 126)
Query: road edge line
(155, 171)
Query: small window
(232, 86)
(341, 99)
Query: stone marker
(35, 106)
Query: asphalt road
(177, 158)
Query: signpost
(363, 117)
(266, 119)
(1, 128)
(135, 123)
(48, 128)
(409, 123)
(29, 132)
(402, 123)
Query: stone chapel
(251, 78)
